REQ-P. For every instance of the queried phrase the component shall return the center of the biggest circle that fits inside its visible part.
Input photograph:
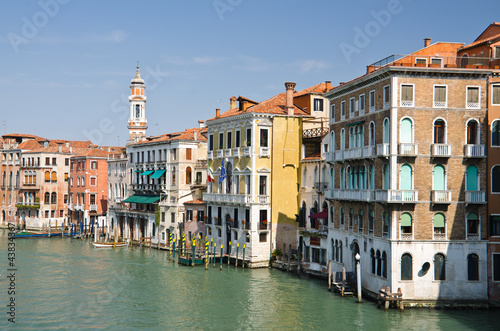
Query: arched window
(342, 178)
(472, 267)
(342, 215)
(372, 261)
(371, 221)
(379, 263)
(304, 177)
(349, 177)
(384, 264)
(472, 132)
(173, 176)
(53, 199)
(385, 224)
(495, 133)
(332, 214)
(439, 132)
(371, 134)
(332, 178)
(17, 179)
(439, 179)
(471, 181)
(229, 177)
(439, 226)
(361, 220)
(406, 267)
(495, 179)
(342, 139)
(472, 225)
(464, 61)
(406, 226)
(47, 176)
(34, 178)
(332, 141)
(439, 267)
(351, 219)
(53, 176)
(385, 177)
(10, 178)
(341, 258)
(406, 131)
(47, 198)
(371, 177)
(387, 132)
(188, 176)
(26, 178)
(406, 179)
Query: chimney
(195, 135)
(427, 42)
(70, 149)
(232, 102)
(217, 112)
(328, 85)
(370, 69)
(289, 97)
(67, 144)
(201, 124)
(60, 148)
(109, 149)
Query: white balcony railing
(439, 104)
(396, 196)
(369, 151)
(439, 236)
(383, 150)
(227, 152)
(339, 155)
(475, 197)
(330, 156)
(474, 151)
(264, 151)
(441, 150)
(353, 153)
(406, 236)
(329, 194)
(220, 153)
(247, 151)
(93, 207)
(236, 151)
(408, 149)
(353, 195)
(473, 105)
(210, 155)
(407, 103)
(473, 236)
(441, 196)
(227, 198)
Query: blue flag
(222, 173)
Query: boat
(26, 234)
(109, 244)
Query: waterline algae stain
(65, 283)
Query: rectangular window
(221, 140)
(472, 97)
(437, 61)
(342, 110)
(352, 108)
(495, 225)
(263, 237)
(247, 184)
(315, 255)
(47, 161)
(93, 181)
(372, 100)
(66, 176)
(92, 199)
(439, 96)
(387, 95)
(93, 165)
(496, 95)
(66, 161)
(237, 138)
(54, 161)
(318, 104)
(407, 95)
(362, 103)
(497, 52)
(65, 198)
(264, 138)
(189, 215)
(188, 153)
(249, 137)
(172, 217)
(211, 142)
(262, 185)
(229, 142)
(332, 113)
(496, 267)
(421, 61)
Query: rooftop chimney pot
(328, 84)
(201, 124)
(217, 112)
(427, 42)
(290, 86)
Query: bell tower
(137, 121)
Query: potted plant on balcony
(205, 218)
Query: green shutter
(439, 220)
(405, 219)
(439, 178)
(472, 217)
(406, 131)
(406, 177)
(386, 218)
(471, 184)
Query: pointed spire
(137, 79)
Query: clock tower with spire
(137, 121)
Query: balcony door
(406, 180)
(439, 178)
(406, 131)
(471, 179)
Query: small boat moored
(108, 244)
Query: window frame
(343, 109)
(362, 105)
(467, 106)
(387, 96)
(372, 97)
(434, 102)
(407, 103)
(493, 86)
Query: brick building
(409, 174)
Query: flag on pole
(222, 173)
(210, 176)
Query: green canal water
(67, 284)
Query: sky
(66, 65)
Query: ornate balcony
(330, 156)
(441, 196)
(227, 198)
(93, 207)
(408, 149)
(339, 155)
(228, 152)
(210, 155)
(383, 150)
(220, 153)
(247, 151)
(475, 197)
(264, 151)
(441, 150)
(236, 151)
(396, 196)
(406, 236)
(353, 195)
(474, 151)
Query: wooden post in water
(206, 253)
(236, 260)
(343, 279)
(96, 234)
(386, 306)
(215, 248)
(243, 259)
(115, 237)
(221, 251)
(173, 248)
(329, 275)
(289, 256)
(401, 306)
(229, 253)
(49, 228)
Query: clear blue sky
(66, 69)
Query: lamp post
(358, 276)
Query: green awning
(138, 171)
(158, 174)
(406, 219)
(386, 219)
(472, 217)
(439, 220)
(147, 199)
(147, 172)
(355, 123)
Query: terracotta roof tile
(194, 202)
(313, 156)
(187, 134)
(318, 89)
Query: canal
(67, 284)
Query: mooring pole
(237, 249)
(221, 250)
(243, 260)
